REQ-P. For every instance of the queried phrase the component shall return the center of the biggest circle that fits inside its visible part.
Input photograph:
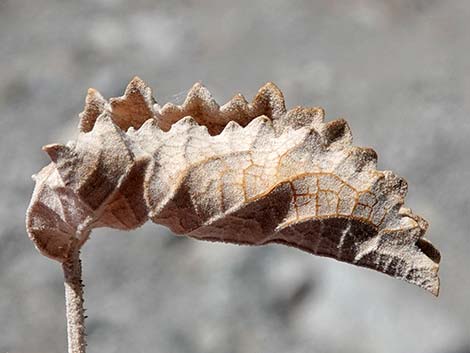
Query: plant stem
(74, 303)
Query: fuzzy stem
(74, 303)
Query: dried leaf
(240, 173)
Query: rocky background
(398, 70)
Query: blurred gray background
(398, 70)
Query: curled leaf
(245, 173)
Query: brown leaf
(245, 173)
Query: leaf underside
(245, 173)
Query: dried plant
(240, 173)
